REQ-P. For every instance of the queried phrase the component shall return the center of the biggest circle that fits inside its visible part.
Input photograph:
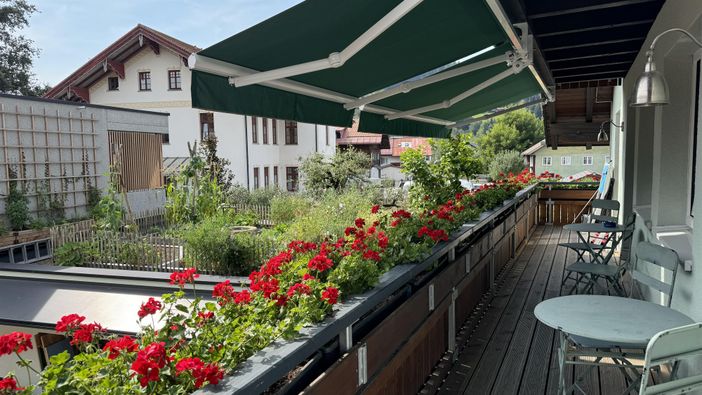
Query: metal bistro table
(588, 229)
(596, 322)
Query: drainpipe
(246, 144)
(316, 149)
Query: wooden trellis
(52, 153)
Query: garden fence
(263, 212)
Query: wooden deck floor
(502, 348)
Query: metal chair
(602, 211)
(672, 347)
(649, 258)
(588, 274)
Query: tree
(320, 173)
(17, 52)
(516, 130)
(506, 162)
(217, 167)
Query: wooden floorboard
(506, 350)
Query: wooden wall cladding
(138, 157)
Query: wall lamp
(651, 89)
(602, 135)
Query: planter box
(390, 339)
(24, 236)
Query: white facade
(234, 132)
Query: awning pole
(335, 59)
(496, 113)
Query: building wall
(576, 154)
(234, 132)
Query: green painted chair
(602, 211)
(671, 347)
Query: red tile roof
(396, 145)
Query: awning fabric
(433, 34)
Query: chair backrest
(672, 346)
(655, 255)
(605, 210)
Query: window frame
(550, 161)
(275, 176)
(254, 130)
(566, 160)
(292, 176)
(264, 130)
(266, 177)
(255, 178)
(146, 86)
(109, 85)
(291, 133)
(207, 119)
(178, 81)
(274, 131)
(585, 162)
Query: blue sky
(70, 32)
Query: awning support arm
(231, 71)
(515, 68)
(335, 59)
(408, 86)
(468, 121)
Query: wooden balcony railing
(564, 203)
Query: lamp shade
(650, 88)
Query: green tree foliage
(17, 205)
(440, 179)
(320, 173)
(217, 167)
(506, 162)
(516, 130)
(16, 51)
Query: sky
(70, 32)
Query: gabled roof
(351, 136)
(532, 150)
(397, 148)
(75, 86)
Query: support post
(346, 339)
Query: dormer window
(112, 84)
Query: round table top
(598, 227)
(609, 318)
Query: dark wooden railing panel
(563, 206)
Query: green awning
(429, 36)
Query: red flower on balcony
(69, 323)
(149, 362)
(375, 209)
(118, 346)
(152, 306)
(200, 371)
(86, 333)
(9, 385)
(320, 262)
(371, 255)
(186, 276)
(300, 289)
(360, 223)
(15, 342)
(330, 295)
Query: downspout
(246, 144)
(316, 137)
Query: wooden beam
(81, 93)
(117, 67)
(593, 28)
(154, 46)
(565, 11)
(595, 44)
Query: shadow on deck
(503, 349)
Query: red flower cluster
(118, 346)
(300, 246)
(152, 306)
(375, 209)
(320, 262)
(435, 234)
(225, 293)
(186, 276)
(69, 323)
(149, 362)
(86, 332)
(299, 288)
(201, 372)
(330, 295)
(15, 342)
(9, 385)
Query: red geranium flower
(118, 346)
(69, 323)
(320, 262)
(152, 306)
(186, 276)
(200, 371)
(360, 222)
(375, 209)
(9, 385)
(330, 295)
(15, 342)
(299, 288)
(372, 255)
(149, 362)
(85, 333)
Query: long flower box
(413, 305)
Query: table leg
(561, 362)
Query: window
(587, 160)
(265, 130)
(274, 130)
(255, 180)
(291, 134)
(326, 134)
(254, 130)
(165, 138)
(546, 161)
(112, 83)
(145, 81)
(565, 160)
(291, 178)
(265, 177)
(406, 144)
(174, 80)
(275, 175)
(206, 125)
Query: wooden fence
(263, 212)
(563, 206)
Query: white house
(146, 69)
